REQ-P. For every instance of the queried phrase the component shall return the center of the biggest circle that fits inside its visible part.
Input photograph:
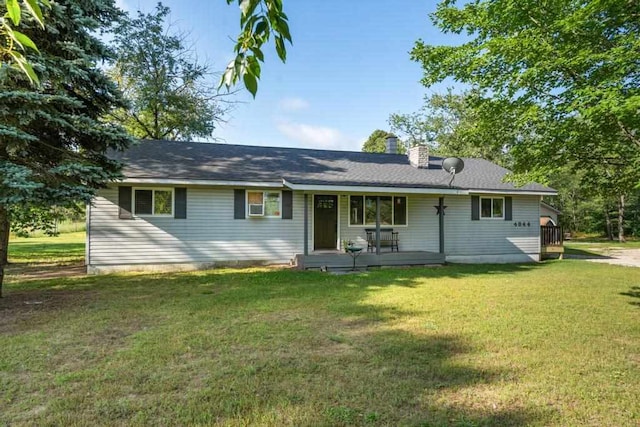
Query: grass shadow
(247, 346)
(575, 253)
(634, 292)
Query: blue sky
(347, 70)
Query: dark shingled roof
(226, 162)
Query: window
(492, 207)
(400, 210)
(158, 202)
(264, 203)
(362, 210)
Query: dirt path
(40, 271)
(626, 257)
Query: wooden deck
(338, 260)
(551, 241)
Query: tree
(259, 21)
(567, 71)
(163, 82)
(54, 141)
(463, 125)
(12, 41)
(377, 142)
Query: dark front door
(325, 220)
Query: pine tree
(53, 141)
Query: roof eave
(373, 189)
(199, 182)
(516, 192)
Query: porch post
(378, 225)
(441, 222)
(306, 224)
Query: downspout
(87, 249)
(441, 208)
(306, 224)
(378, 225)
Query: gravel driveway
(626, 257)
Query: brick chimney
(391, 144)
(419, 156)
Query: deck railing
(551, 235)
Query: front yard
(556, 343)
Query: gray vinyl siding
(208, 234)
(420, 234)
(492, 236)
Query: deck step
(342, 260)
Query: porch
(551, 241)
(390, 231)
(341, 260)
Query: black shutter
(287, 204)
(239, 210)
(124, 202)
(475, 208)
(507, 209)
(180, 211)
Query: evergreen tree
(53, 139)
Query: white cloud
(293, 104)
(319, 137)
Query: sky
(347, 70)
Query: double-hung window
(362, 210)
(492, 207)
(264, 203)
(153, 202)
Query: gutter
(410, 190)
(373, 189)
(210, 182)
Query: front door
(325, 220)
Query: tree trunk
(607, 219)
(4, 242)
(621, 238)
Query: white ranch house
(186, 205)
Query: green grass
(63, 227)
(545, 344)
(63, 249)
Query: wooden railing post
(551, 235)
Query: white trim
(264, 192)
(153, 201)
(330, 188)
(168, 181)
(367, 189)
(393, 209)
(514, 192)
(489, 218)
(410, 190)
(313, 221)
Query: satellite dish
(453, 165)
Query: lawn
(556, 343)
(63, 249)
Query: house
(548, 214)
(189, 205)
